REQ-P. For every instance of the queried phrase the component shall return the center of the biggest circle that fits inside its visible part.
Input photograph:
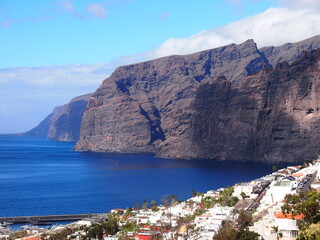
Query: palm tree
(276, 230)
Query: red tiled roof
(31, 238)
(288, 216)
(297, 174)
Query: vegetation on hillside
(308, 204)
(229, 232)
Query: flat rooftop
(282, 184)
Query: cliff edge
(234, 102)
(63, 124)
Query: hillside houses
(292, 180)
(285, 223)
(210, 222)
(202, 216)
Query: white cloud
(45, 87)
(28, 95)
(275, 26)
(301, 4)
(68, 7)
(97, 10)
(68, 75)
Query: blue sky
(53, 50)
(46, 32)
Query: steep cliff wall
(224, 103)
(270, 116)
(63, 124)
(146, 106)
(290, 52)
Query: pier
(48, 218)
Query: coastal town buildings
(210, 222)
(285, 223)
(247, 188)
(193, 219)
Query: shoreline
(255, 201)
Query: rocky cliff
(269, 116)
(290, 52)
(224, 103)
(63, 124)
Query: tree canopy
(307, 204)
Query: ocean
(43, 177)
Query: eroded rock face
(290, 52)
(63, 124)
(147, 106)
(270, 116)
(224, 103)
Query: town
(283, 205)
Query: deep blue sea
(42, 177)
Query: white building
(114, 237)
(287, 225)
(275, 218)
(247, 188)
(85, 222)
(211, 221)
(278, 190)
(316, 184)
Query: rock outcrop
(290, 52)
(224, 103)
(63, 124)
(270, 116)
(144, 106)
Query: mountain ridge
(150, 106)
(192, 106)
(183, 72)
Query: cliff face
(270, 116)
(146, 106)
(224, 103)
(63, 124)
(290, 52)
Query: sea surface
(43, 177)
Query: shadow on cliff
(271, 116)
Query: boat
(4, 229)
(8, 222)
(26, 227)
